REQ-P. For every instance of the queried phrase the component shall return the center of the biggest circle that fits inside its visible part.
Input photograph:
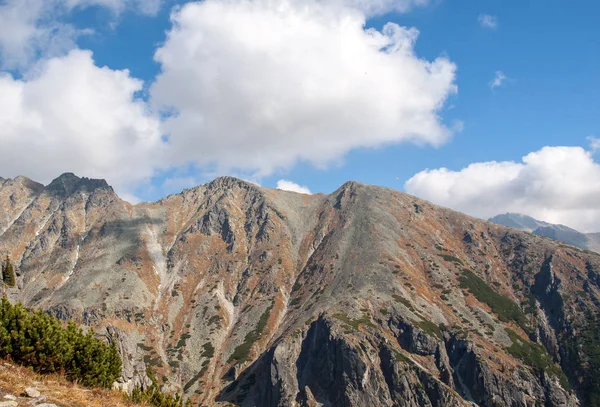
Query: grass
(403, 301)
(430, 328)
(241, 353)
(451, 259)
(506, 309)
(15, 379)
(399, 357)
(354, 323)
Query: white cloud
(594, 143)
(72, 116)
(488, 21)
(286, 185)
(499, 79)
(149, 7)
(25, 32)
(31, 29)
(258, 86)
(555, 184)
(379, 7)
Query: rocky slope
(562, 233)
(241, 295)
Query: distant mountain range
(562, 233)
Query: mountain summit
(68, 183)
(589, 241)
(237, 294)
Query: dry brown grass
(15, 379)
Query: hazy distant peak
(561, 233)
(519, 221)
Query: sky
(483, 106)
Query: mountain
(565, 234)
(241, 295)
(518, 221)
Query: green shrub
(536, 356)
(8, 273)
(354, 323)
(153, 396)
(241, 352)
(37, 340)
(430, 327)
(500, 305)
(451, 259)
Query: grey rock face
(68, 184)
(134, 367)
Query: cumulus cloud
(30, 29)
(499, 79)
(258, 86)
(488, 21)
(286, 185)
(72, 116)
(247, 87)
(555, 184)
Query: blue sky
(548, 53)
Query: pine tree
(8, 273)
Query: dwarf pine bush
(153, 396)
(40, 341)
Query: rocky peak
(518, 221)
(227, 182)
(68, 184)
(25, 182)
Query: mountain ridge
(239, 294)
(565, 234)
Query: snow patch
(12, 222)
(227, 305)
(46, 220)
(67, 276)
(155, 251)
